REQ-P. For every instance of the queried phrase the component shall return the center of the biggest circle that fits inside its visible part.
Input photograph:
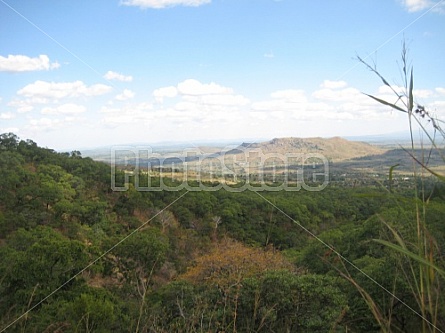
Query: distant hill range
(343, 155)
(334, 149)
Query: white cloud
(339, 103)
(336, 95)
(49, 94)
(417, 5)
(6, 115)
(438, 105)
(166, 92)
(436, 6)
(125, 95)
(53, 90)
(333, 84)
(206, 103)
(215, 108)
(422, 93)
(94, 90)
(282, 109)
(44, 124)
(129, 109)
(440, 90)
(64, 109)
(194, 87)
(221, 100)
(260, 115)
(110, 75)
(21, 106)
(291, 103)
(194, 102)
(388, 91)
(21, 63)
(291, 95)
(195, 92)
(108, 109)
(49, 124)
(129, 114)
(9, 130)
(159, 4)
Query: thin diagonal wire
(348, 261)
(55, 41)
(92, 263)
(67, 50)
(394, 36)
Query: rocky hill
(334, 149)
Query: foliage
(78, 257)
(229, 262)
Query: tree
(227, 265)
(93, 310)
(12, 176)
(138, 258)
(286, 302)
(230, 261)
(9, 141)
(34, 264)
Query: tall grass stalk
(420, 260)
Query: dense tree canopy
(213, 261)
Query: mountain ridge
(334, 148)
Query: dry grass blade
(424, 166)
(410, 94)
(377, 313)
(418, 246)
(381, 101)
(412, 255)
(391, 170)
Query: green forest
(79, 257)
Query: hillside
(177, 260)
(334, 149)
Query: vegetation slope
(79, 257)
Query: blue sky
(86, 74)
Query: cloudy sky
(79, 74)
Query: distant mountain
(334, 149)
